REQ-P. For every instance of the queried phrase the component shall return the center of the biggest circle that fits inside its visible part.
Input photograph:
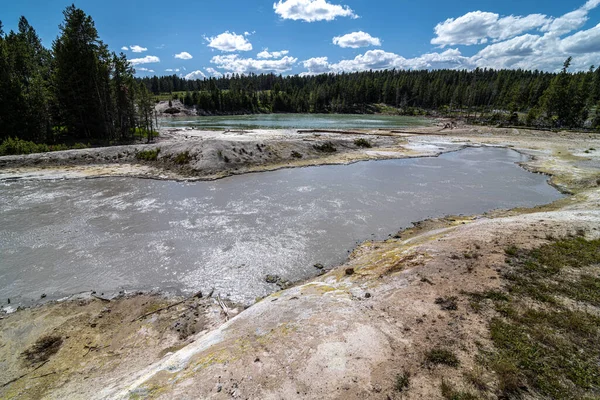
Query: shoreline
(394, 273)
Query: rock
(319, 266)
(272, 279)
(349, 271)
(43, 296)
(448, 304)
(367, 295)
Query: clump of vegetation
(363, 143)
(448, 304)
(449, 392)
(441, 356)
(148, 155)
(402, 381)
(182, 158)
(16, 146)
(295, 154)
(545, 341)
(44, 348)
(326, 147)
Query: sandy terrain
(346, 334)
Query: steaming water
(296, 121)
(63, 237)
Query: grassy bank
(545, 327)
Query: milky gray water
(297, 121)
(63, 237)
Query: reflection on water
(62, 237)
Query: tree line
(76, 91)
(534, 98)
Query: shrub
(326, 147)
(148, 155)
(363, 143)
(402, 381)
(295, 154)
(183, 158)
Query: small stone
(319, 266)
(349, 271)
(367, 295)
(93, 325)
(219, 388)
(43, 296)
(272, 278)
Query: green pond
(296, 121)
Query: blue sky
(211, 38)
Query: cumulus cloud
(273, 54)
(184, 55)
(228, 42)
(316, 65)
(311, 10)
(235, 64)
(124, 48)
(380, 60)
(477, 27)
(144, 60)
(213, 72)
(137, 49)
(587, 41)
(195, 75)
(144, 70)
(355, 40)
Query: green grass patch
(449, 392)
(439, 356)
(148, 155)
(182, 158)
(547, 335)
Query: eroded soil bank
(346, 334)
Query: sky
(202, 38)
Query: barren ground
(346, 334)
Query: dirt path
(348, 334)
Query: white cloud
(477, 27)
(355, 40)
(228, 42)
(587, 41)
(184, 56)
(172, 70)
(195, 75)
(137, 49)
(144, 60)
(213, 72)
(379, 60)
(316, 65)
(124, 48)
(311, 10)
(235, 64)
(144, 70)
(520, 46)
(273, 54)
